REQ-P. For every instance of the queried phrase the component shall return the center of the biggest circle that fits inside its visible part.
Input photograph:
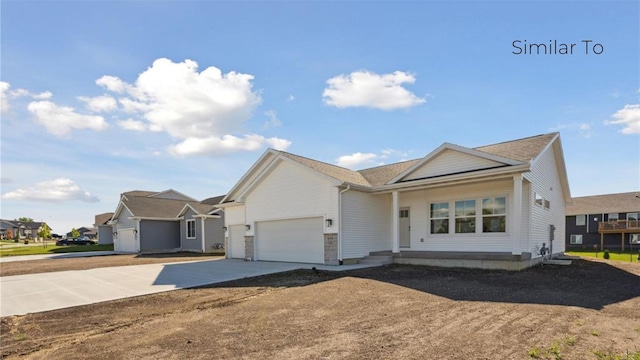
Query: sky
(104, 97)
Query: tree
(9, 234)
(75, 233)
(44, 231)
(25, 219)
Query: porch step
(376, 260)
(557, 262)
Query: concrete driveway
(22, 294)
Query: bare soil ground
(589, 310)
(51, 265)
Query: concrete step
(376, 259)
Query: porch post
(516, 221)
(395, 226)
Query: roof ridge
(510, 141)
(395, 163)
(319, 161)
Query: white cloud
(104, 103)
(4, 102)
(584, 129)
(356, 160)
(57, 190)
(112, 83)
(59, 120)
(133, 125)
(5, 94)
(629, 117)
(273, 120)
(367, 89)
(291, 98)
(215, 146)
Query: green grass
(625, 256)
(51, 249)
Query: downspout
(203, 237)
(340, 223)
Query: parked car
(83, 240)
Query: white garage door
(236, 242)
(126, 241)
(296, 240)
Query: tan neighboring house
(495, 206)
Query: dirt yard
(51, 265)
(590, 310)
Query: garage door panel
(294, 240)
(236, 242)
(126, 241)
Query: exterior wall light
(329, 222)
(248, 227)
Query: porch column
(516, 215)
(395, 225)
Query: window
(538, 198)
(440, 218)
(632, 216)
(613, 217)
(634, 238)
(465, 216)
(494, 215)
(191, 229)
(575, 239)
(547, 204)
(404, 213)
(581, 220)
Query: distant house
(103, 228)
(22, 229)
(499, 206)
(148, 221)
(84, 231)
(603, 222)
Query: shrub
(606, 254)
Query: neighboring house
(83, 231)
(23, 229)
(492, 206)
(104, 229)
(603, 222)
(6, 225)
(166, 221)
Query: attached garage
(292, 240)
(126, 241)
(235, 247)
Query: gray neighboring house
(152, 222)
(6, 225)
(201, 226)
(103, 228)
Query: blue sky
(103, 97)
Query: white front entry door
(405, 227)
(236, 242)
(126, 241)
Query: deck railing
(618, 226)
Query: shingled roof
(142, 204)
(102, 219)
(604, 204)
(523, 150)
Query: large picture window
(575, 239)
(465, 216)
(191, 229)
(494, 215)
(440, 218)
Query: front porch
(477, 260)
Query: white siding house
(491, 206)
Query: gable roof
(213, 200)
(103, 219)
(607, 203)
(519, 152)
(144, 204)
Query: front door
(405, 228)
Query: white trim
(203, 233)
(395, 225)
(186, 235)
(207, 216)
(458, 148)
(230, 204)
(153, 218)
(246, 174)
(516, 213)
